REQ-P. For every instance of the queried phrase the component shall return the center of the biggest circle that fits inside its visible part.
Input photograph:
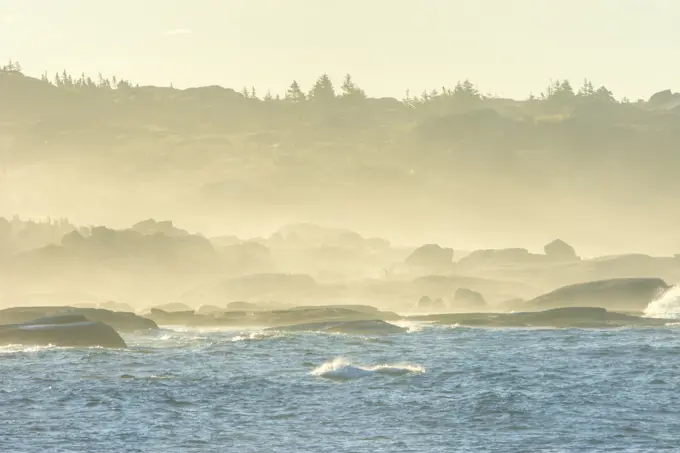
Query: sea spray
(667, 305)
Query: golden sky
(507, 47)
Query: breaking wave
(341, 369)
(667, 305)
(252, 336)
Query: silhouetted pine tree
(350, 90)
(586, 89)
(294, 93)
(323, 90)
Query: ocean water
(433, 389)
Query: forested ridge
(569, 151)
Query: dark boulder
(559, 250)
(426, 303)
(121, 321)
(65, 330)
(629, 294)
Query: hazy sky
(507, 47)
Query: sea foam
(341, 369)
(667, 305)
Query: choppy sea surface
(433, 389)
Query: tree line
(324, 90)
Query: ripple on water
(250, 391)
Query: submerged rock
(64, 330)
(369, 327)
(121, 321)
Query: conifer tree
(586, 89)
(323, 90)
(294, 93)
(351, 90)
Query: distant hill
(210, 155)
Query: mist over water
(371, 247)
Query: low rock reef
(569, 317)
(63, 330)
(373, 327)
(119, 320)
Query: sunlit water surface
(432, 389)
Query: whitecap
(667, 305)
(341, 369)
(18, 348)
(252, 336)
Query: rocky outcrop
(628, 294)
(243, 306)
(430, 256)
(466, 298)
(121, 321)
(499, 257)
(210, 309)
(174, 307)
(116, 306)
(178, 317)
(369, 327)
(165, 227)
(64, 330)
(426, 303)
(559, 250)
(570, 317)
(107, 243)
(269, 318)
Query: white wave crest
(254, 336)
(341, 369)
(667, 305)
(412, 326)
(16, 348)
